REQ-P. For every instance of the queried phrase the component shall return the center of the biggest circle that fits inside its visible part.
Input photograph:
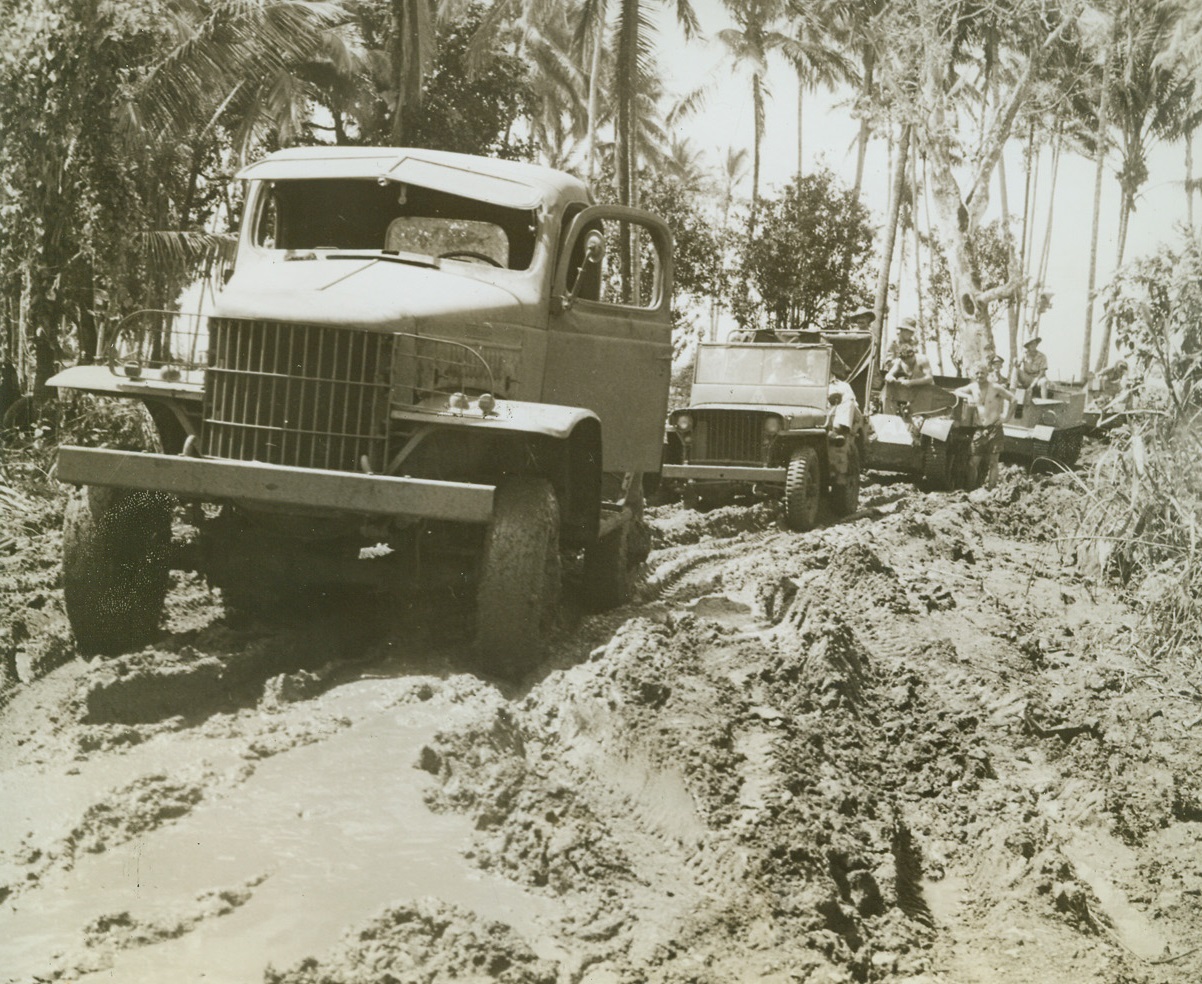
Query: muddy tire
(936, 467)
(803, 490)
(116, 548)
(845, 498)
(518, 589)
(610, 566)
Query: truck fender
(937, 428)
(1043, 432)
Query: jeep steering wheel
(469, 254)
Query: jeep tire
(116, 550)
(803, 490)
(517, 592)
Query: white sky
(829, 135)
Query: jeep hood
(364, 292)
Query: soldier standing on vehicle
(997, 366)
(905, 339)
(1032, 371)
(990, 399)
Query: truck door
(609, 344)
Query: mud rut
(911, 747)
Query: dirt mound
(428, 942)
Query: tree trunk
(1099, 174)
(594, 100)
(800, 102)
(861, 154)
(882, 283)
(1046, 251)
(926, 203)
(1125, 208)
(1189, 178)
(952, 220)
(757, 108)
(399, 70)
(1013, 267)
(628, 39)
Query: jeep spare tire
(116, 549)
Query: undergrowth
(1140, 524)
(31, 500)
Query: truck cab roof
(512, 184)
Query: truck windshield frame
(353, 214)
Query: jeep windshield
(397, 220)
(759, 374)
(762, 365)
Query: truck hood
(365, 292)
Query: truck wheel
(803, 489)
(845, 498)
(610, 565)
(936, 467)
(518, 589)
(116, 547)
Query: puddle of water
(720, 608)
(339, 827)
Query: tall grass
(1140, 524)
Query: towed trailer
(1041, 429)
(925, 432)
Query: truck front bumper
(215, 480)
(722, 473)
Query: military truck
(422, 370)
(778, 417)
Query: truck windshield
(762, 365)
(357, 214)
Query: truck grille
(727, 437)
(308, 396)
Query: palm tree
(814, 57)
(749, 45)
(1149, 99)
(242, 61)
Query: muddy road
(918, 746)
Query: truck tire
(845, 498)
(610, 565)
(936, 467)
(116, 549)
(803, 490)
(518, 588)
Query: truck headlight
(771, 426)
(684, 422)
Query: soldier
(1032, 372)
(905, 338)
(990, 399)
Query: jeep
(773, 417)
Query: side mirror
(594, 250)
